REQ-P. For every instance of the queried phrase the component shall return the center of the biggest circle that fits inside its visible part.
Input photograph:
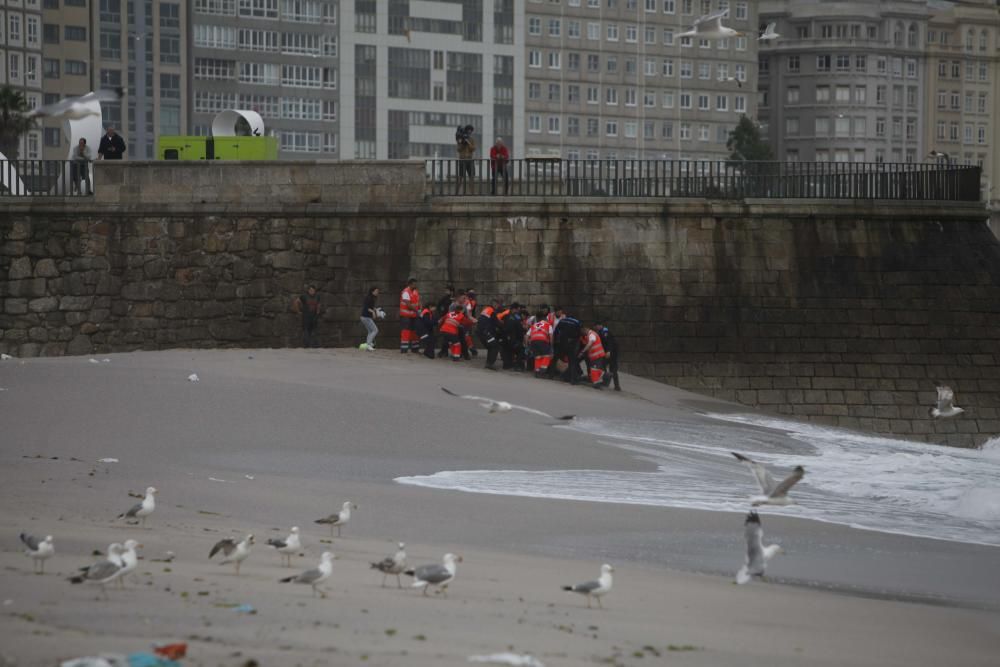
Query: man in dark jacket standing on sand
(308, 306)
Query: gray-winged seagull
(773, 492)
(340, 518)
(141, 510)
(102, 572)
(394, 564)
(945, 403)
(758, 555)
(39, 550)
(494, 406)
(234, 552)
(597, 588)
(288, 546)
(315, 576)
(436, 575)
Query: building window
(50, 68)
(75, 33)
(534, 26)
(880, 127)
(50, 33)
(555, 28)
(534, 123)
(170, 50)
(793, 95)
(260, 9)
(843, 94)
(822, 127)
(843, 63)
(860, 94)
(740, 104)
(611, 128)
(822, 63)
(822, 93)
(791, 126)
(554, 125)
(76, 67)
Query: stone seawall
(838, 312)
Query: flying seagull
(773, 493)
(597, 588)
(394, 564)
(945, 403)
(77, 108)
(102, 572)
(769, 34)
(710, 27)
(494, 406)
(39, 550)
(315, 576)
(234, 552)
(338, 519)
(435, 575)
(288, 546)
(129, 559)
(141, 510)
(757, 554)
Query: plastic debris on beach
(248, 476)
(93, 361)
(5, 357)
(107, 460)
(172, 651)
(141, 659)
(245, 609)
(193, 377)
(515, 659)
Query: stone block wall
(842, 313)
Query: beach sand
(316, 428)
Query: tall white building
(21, 60)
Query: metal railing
(705, 179)
(45, 178)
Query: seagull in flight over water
(769, 34)
(710, 27)
(773, 492)
(494, 406)
(758, 555)
(945, 403)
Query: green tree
(746, 143)
(13, 121)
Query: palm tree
(13, 121)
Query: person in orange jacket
(409, 311)
(453, 327)
(593, 351)
(540, 343)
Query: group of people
(112, 147)
(549, 341)
(465, 148)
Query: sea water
(864, 481)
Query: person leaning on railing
(499, 159)
(80, 167)
(466, 149)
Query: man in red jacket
(499, 157)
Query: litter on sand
(515, 659)
(107, 460)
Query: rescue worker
(611, 351)
(471, 303)
(409, 311)
(453, 331)
(425, 328)
(593, 352)
(566, 337)
(540, 342)
(513, 333)
(486, 329)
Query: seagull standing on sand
(945, 403)
(774, 493)
(435, 575)
(102, 572)
(234, 552)
(288, 546)
(78, 108)
(129, 560)
(340, 518)
(757, 554)
(141, 510)
(597, 588)
(315, 576)
(710, 27)
(494, 406)
(40, 551)
(394, 564)
(769, 35)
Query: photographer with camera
(466, 149)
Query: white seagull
(129, 560)
(435, 575)
(315, 576)
(757, 554)
(288, 546)
(769, 34)
(494, 406)
(340, 518)
(773, 492)
(141, 510)
(102, 572)
(710, 27)
(945, 403)
(597, 588)
(77, 108)
(234, 552)
(193, 377)
(394, 564)
(39, 550)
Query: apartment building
(846, 82)
(279, 58)
(21, 60)
(67, 36)
(414, 70)
(609, 79)
(963, 47)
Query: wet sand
(315, 428)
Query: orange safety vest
(502, 315)
(487, 311)
(595, 350)
(451, 324)
(412, 307)
(540, 331)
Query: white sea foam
(871, 482)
